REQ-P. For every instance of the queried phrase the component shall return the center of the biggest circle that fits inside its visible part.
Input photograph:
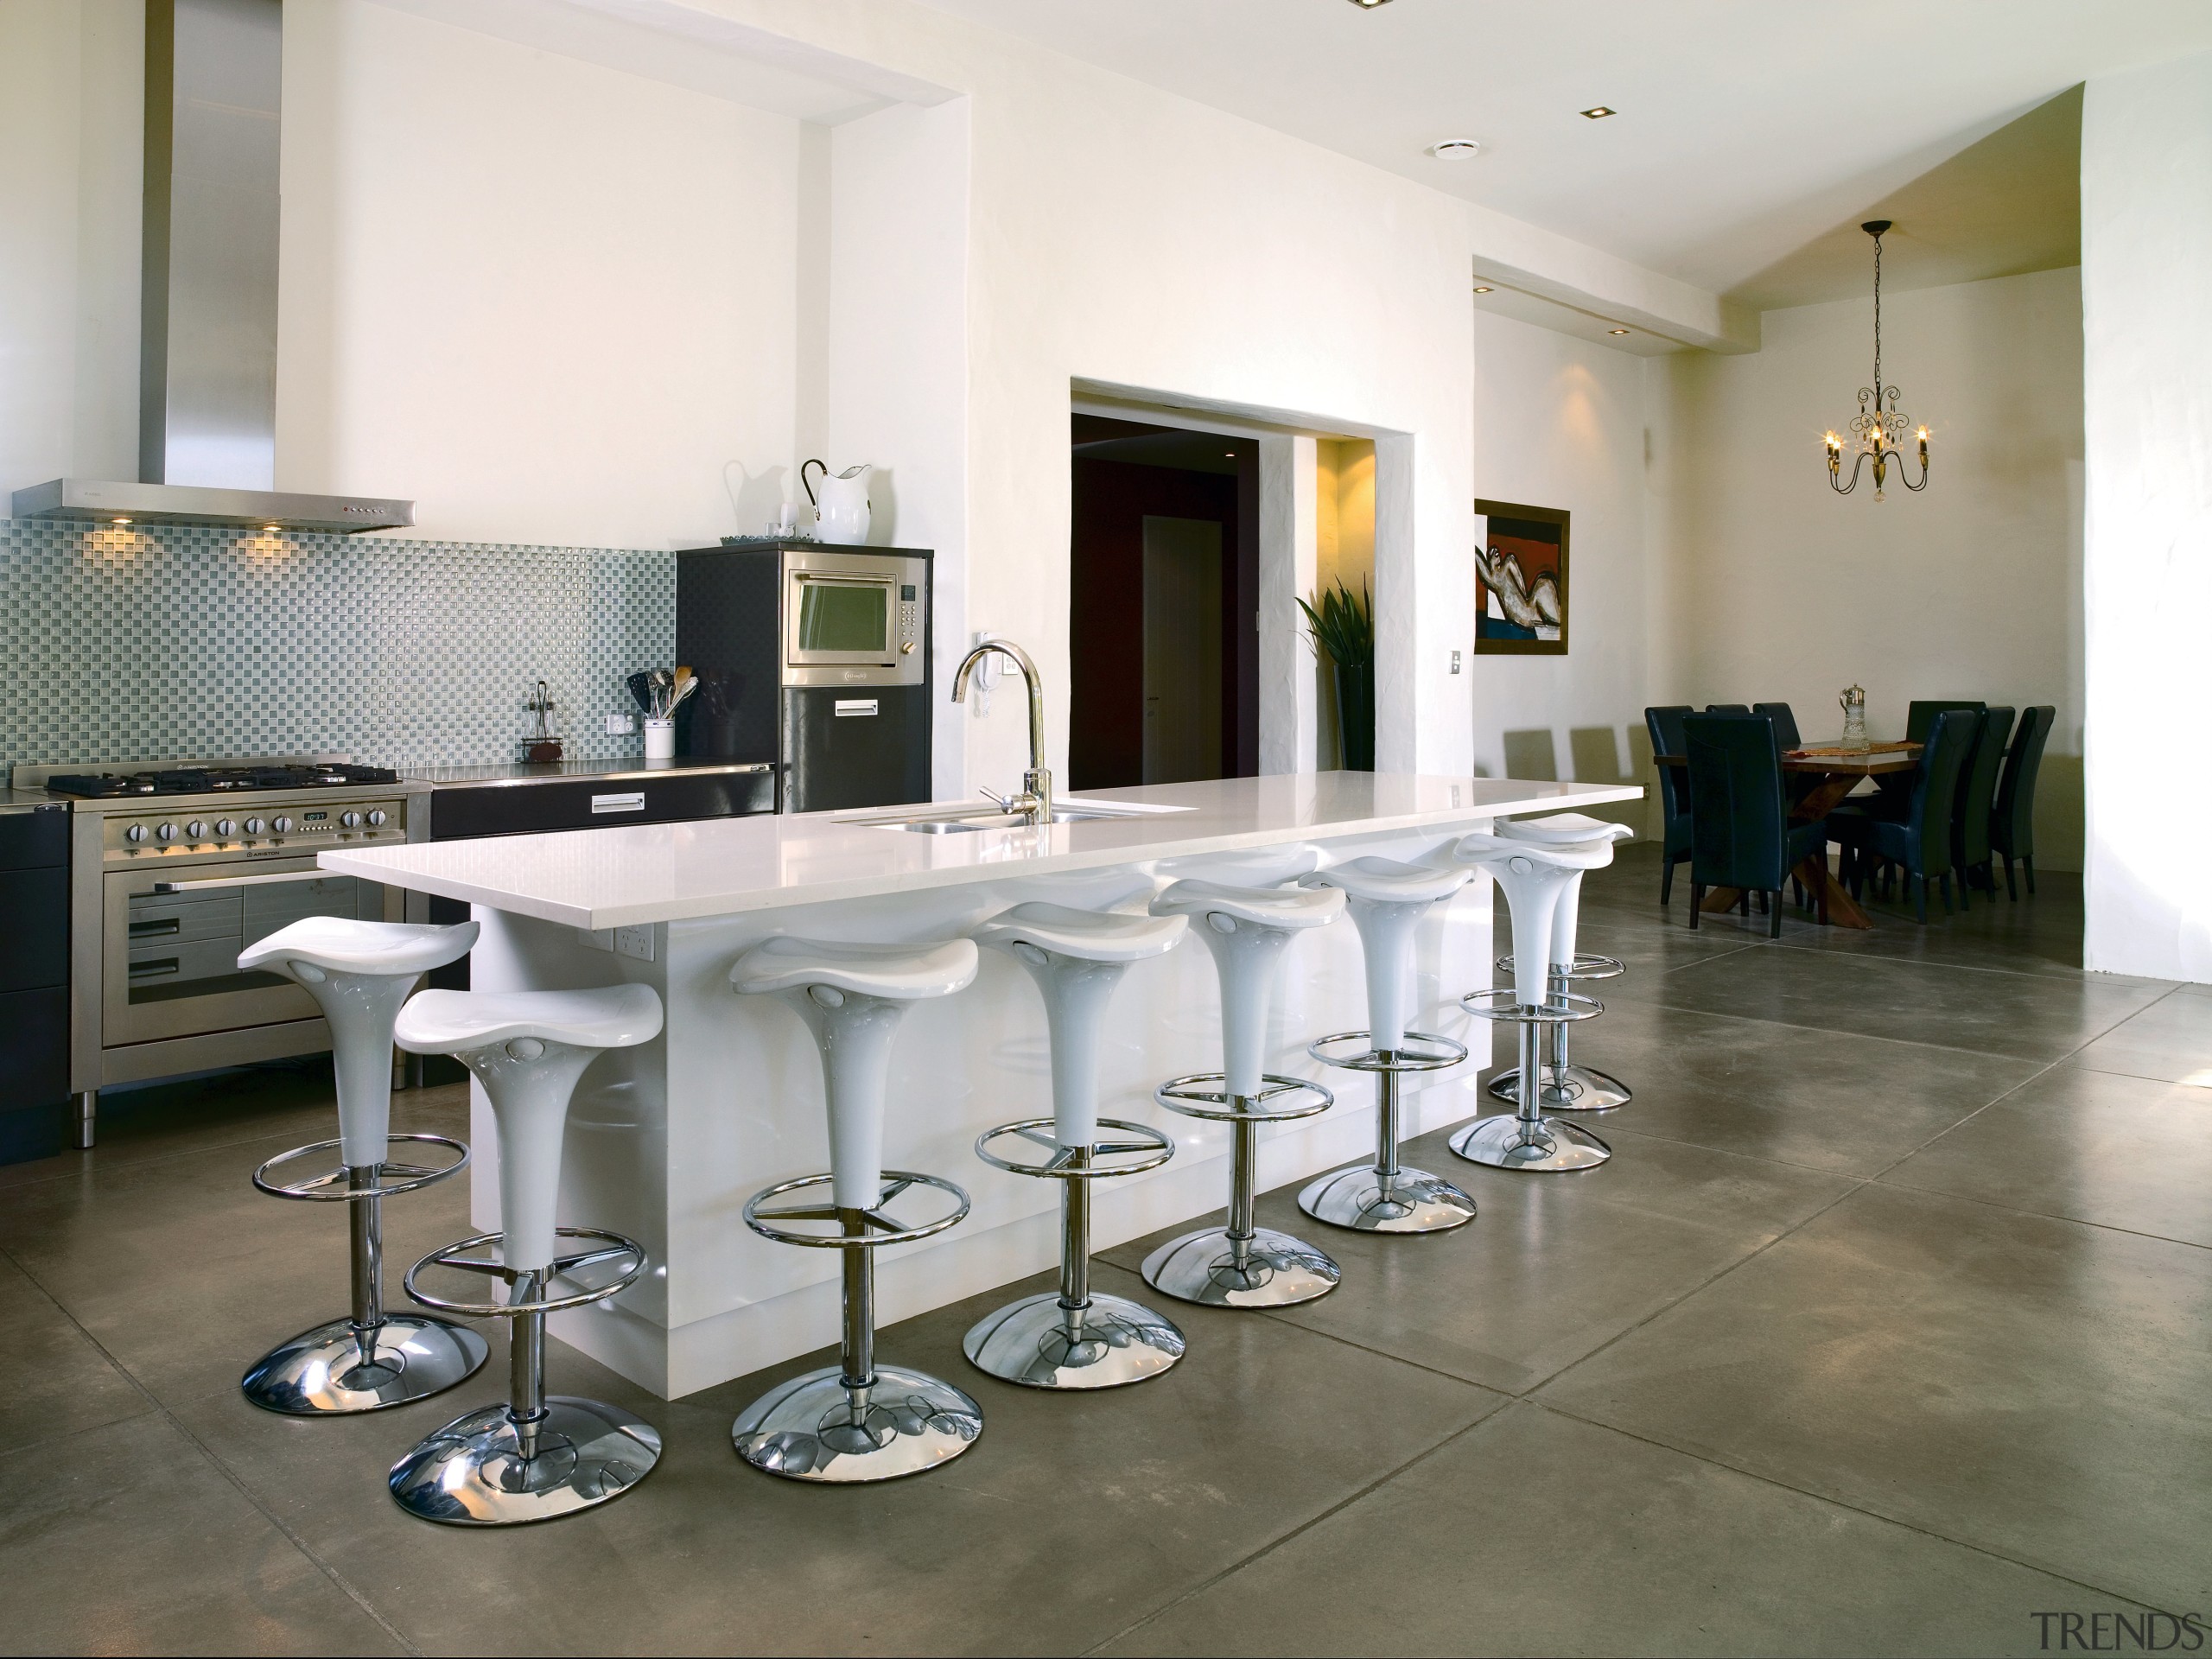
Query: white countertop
(638, 873)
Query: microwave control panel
(910, 619)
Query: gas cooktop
(215, 780)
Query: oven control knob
(165, 832)
(136, 832)
(196, 831)
(351, 820)
(282, 826)
(906, 650)
(377, 817)
(225, 828)
(253, 826)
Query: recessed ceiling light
(1597, 112)
(118, 521)
(1617, 331)
(1456, 149)
(1369, 5)
(1479, 289)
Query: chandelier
(1877, 429)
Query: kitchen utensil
(542, 747)
(842, 504)
(640, 684)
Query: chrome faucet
(1035, 802)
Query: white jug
(842, 504)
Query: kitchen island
(666, 1141)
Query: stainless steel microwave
(855, 619)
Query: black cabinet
(33, 983)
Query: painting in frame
(1521, 588)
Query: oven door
(841, 619)
(170, 957)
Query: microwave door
(841, 620)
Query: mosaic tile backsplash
(149, 643)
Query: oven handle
(246, 881)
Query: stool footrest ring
(1499, 1003)
(610, 1246)
(1444, 1053)
(1581, 968)
(1147, 1148)
(334, 1185)
(878, 1227)
(1183, 1095)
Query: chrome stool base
(1385, 1196)
(1272, 1269)
(1039, 1344)
(815, 1427)
(1575, 1088)
(325, 1371)
(479, 1472)
(1405, 1201)
(1549, 1145)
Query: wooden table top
(1832, 761)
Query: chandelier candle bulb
(1878, 428)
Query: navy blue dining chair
(1740, 832)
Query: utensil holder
(660, 740)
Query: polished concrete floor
(1885, 1330)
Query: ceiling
(1751, 136)
(1097, 438)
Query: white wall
(1767, 587)
(1558, 422)
(548, 300)
(2146, 244)
(69, 194)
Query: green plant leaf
(1340, 626)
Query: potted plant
(1342, 628)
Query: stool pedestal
(360, 974)
(1387, 900)
(860, 1420)
(1240, 1263)
(1563, 1085)
(1075, 1338)
(534, 1457)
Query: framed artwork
(1520, 591)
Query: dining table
(1827, 773)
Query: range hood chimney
(208, 340)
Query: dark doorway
(1163, 605)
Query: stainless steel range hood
(207, 350)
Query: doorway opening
(1163, 605)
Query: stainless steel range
(174, 868)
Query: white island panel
(666, 1141)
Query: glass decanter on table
(1853, 700)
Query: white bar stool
(359, 973)
(1387, 900)
(858, 1419)
(1243, 1264)
(1534, 875)
(536, 1457)
(1567, 1087)
(1075, 1338)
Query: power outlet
(636, 942)
(621, 725)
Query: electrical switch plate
(596, 939)
(621, 725)
(1455, 662)
(634, 942)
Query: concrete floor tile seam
(1304, 1527)
(1277, 1316)
(1999, 1100)
(88, 1163)
(1870, 1036)
(2039, 1214)
(2117, 981)
(229, 1475)
(1710, 1456)
(1889, 964)
(1713, 1277)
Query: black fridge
(814, 658)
